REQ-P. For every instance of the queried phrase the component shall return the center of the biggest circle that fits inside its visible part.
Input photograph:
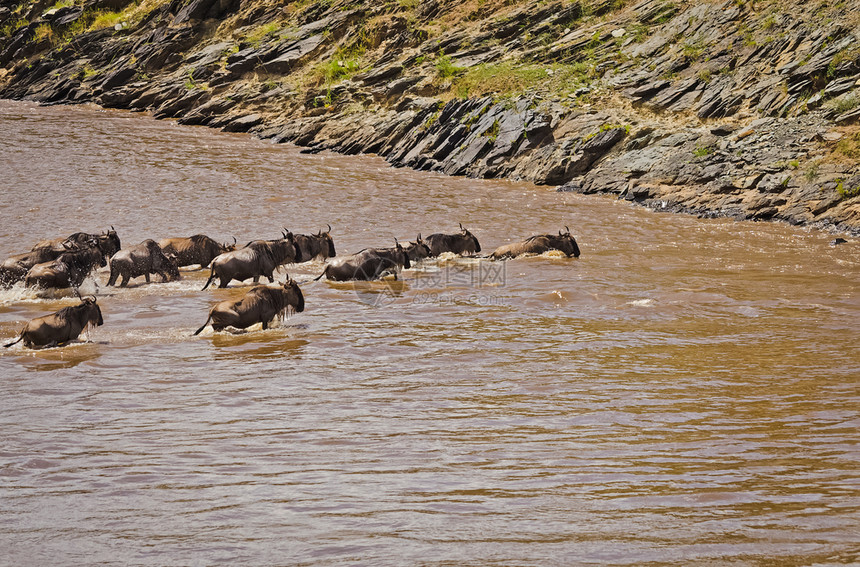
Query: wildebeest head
(92, 313)
(471, 237)
(417, 250)
(400, 255)
(108, 243)
(285, 249)
(160, 261)
(293, 295)
(228, 247)
(329, 241)
(567, 243)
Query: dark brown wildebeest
(61, 327)
(539, 244)
(141, 260)
(15, 268)
(260, 304)
(107, 242)
(316, 245)
(197, 249)
(368, 264)
(70, 269)
(417, 250)
(462, 243)
(257, 258)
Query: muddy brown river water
(684, 393)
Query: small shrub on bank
(445, 68)
(849, 146)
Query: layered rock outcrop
(731, 108)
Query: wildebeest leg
(125, 279)
(146, 275)
(256, 279)
(265, 325)
(223, 283)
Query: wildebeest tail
(200, 330)
(319, 277)
(18, 340)
(209, 281)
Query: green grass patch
(445, 68)
(849, 146)
(11, 27)
(86, 72)
(492, 133)
(256, 36)
(511, 79)
(845, 104)
(104, 19)
(845, 192)
(44, 32)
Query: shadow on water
(257, 344)
(56, 358)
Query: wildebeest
(539, 244)
(141, 260)
(197, 249)
(257, 258)
(15, 268)
(369, 264)
(61, 327)
(107, 242)
(70, 269)
(462, 243)
(417, 250)
(260, 304)
(316, 245)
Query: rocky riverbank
(741, 109)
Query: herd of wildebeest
(67, 262)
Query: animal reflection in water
(260, 304)
(61, 327)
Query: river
(685, 392)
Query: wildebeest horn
(329, 228)
(461, 227)
(418, 239)
(567, 229)
(235, 241)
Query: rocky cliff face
(737, 108)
